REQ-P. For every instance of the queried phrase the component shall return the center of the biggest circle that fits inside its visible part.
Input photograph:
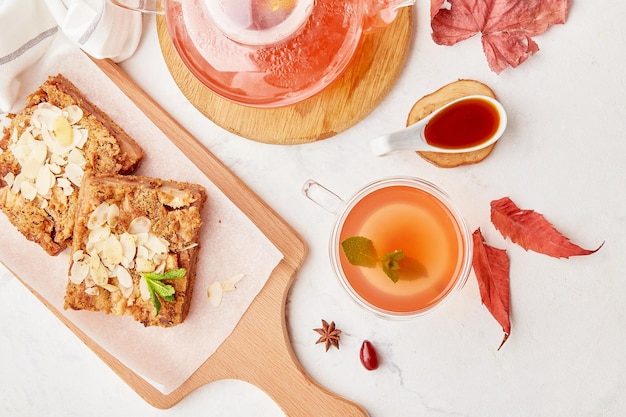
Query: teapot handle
(378, 14)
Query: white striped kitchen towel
(28, 28)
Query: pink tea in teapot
(230, 56)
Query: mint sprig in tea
(360, 251)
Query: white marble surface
(562, 156)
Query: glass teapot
(268, 53)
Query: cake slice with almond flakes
(44, 154)
(135, 248)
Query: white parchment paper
(230, 244)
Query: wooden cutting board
(373, 71)
(260, 355)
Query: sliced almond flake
(74, 173)
(123, 277)
(142, 252)
(112, 253)
(63, 133)
(165, 243)
(54, 168)
(98, 271)
(128, 249)
(31, 158)
(92, 290)
(90, 248)
(20, 148)
(141, 239)
(139, 225)
(113, 215)
(160, 257)
(144, 265)
(126, 291)
(99, 234)
(25, 139)
(89, 282)
(77, 137)
(93, 248)
(73, 113)
(143, 289)
(80, 137)
(49, 140)
(64, 182)
(109, 287)
(20, 152)
(215, 293)
(38, 149)
(160, 267)
(17, 183)
(156, 245)
(48, 195)
(67, 186)
(28, 190)
(97, 217)
(231, 283)
(9, 178)
(78, 256)
(46, 105)
(45, 180)
(43, 117)
(78, 272)
(30, 167)
(58, 160)
(44, 203)
(76, 157)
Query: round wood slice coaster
(367, 80)
(427, 104)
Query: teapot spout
(381, 13)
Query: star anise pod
(328, 335)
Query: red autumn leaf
(491, 267)
(532, 231)
(507, 26)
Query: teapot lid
(258, 22)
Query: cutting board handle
(297, 394)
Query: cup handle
(322, 196)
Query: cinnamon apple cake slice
(135, 248)
(44, 153)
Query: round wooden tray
(371, 74)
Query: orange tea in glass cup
(409, 215)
